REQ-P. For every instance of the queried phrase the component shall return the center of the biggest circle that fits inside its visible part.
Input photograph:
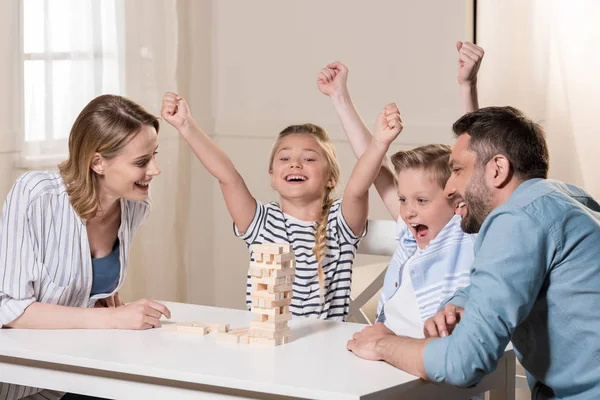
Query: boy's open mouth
(420, 230)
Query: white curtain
(541, 57)
(73, 53)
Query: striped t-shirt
(45, 254)
(271, 225)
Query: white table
(156, 364)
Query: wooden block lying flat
(279, 273)
(279, 258)
(268, 303)
(268, 248)
(268, 325)
(238, 335)
(265, 311)
(267, 342)
(195, 327)
(287, 287)
(264, 294)
(270, 334)
(280, 317)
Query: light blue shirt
(536, 282)
(436, 271)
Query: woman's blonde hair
(104, 126)
(322, 139)
(432, 158)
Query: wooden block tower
(272, 277)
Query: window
(71, 55)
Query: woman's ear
(97, 164)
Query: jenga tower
(272, 278)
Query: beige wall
(248, 69)
(266, 56)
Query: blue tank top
(106, 272)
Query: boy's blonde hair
(322, 138)
(104, 126)
(433, 158)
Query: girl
(323, 232)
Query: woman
(65, 236)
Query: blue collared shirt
(436, 271)
(536, 282)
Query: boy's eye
(402, 200)
(421, 201)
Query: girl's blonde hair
(104, 126)
(322, 139)
(433, 158)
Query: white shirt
(401, 310)
(45, 253)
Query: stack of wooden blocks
(272, 277)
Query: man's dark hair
(506, 131)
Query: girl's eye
(284, 158)
(309, 159)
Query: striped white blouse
(45, 254)
(271, 225)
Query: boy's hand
(389, 124)
(333, 79)
(469, 60)
(175, 110)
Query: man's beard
(478, 199)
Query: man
(536, 278)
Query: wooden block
(279, 273)
(264, 294)
(233, 336)
(279, 258)
(268, 248)
(263, 341)
(227, 337)
(198, 330)
(270, 334)
(266, 311)
(268, 303)
(244, 339)
(268, 325)
(258, 257)
(171, 327)
(257, 272)
(280, 288)
(280, 317)
(289, 279)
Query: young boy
(434, 256)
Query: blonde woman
(65, 236)
(323, 232)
